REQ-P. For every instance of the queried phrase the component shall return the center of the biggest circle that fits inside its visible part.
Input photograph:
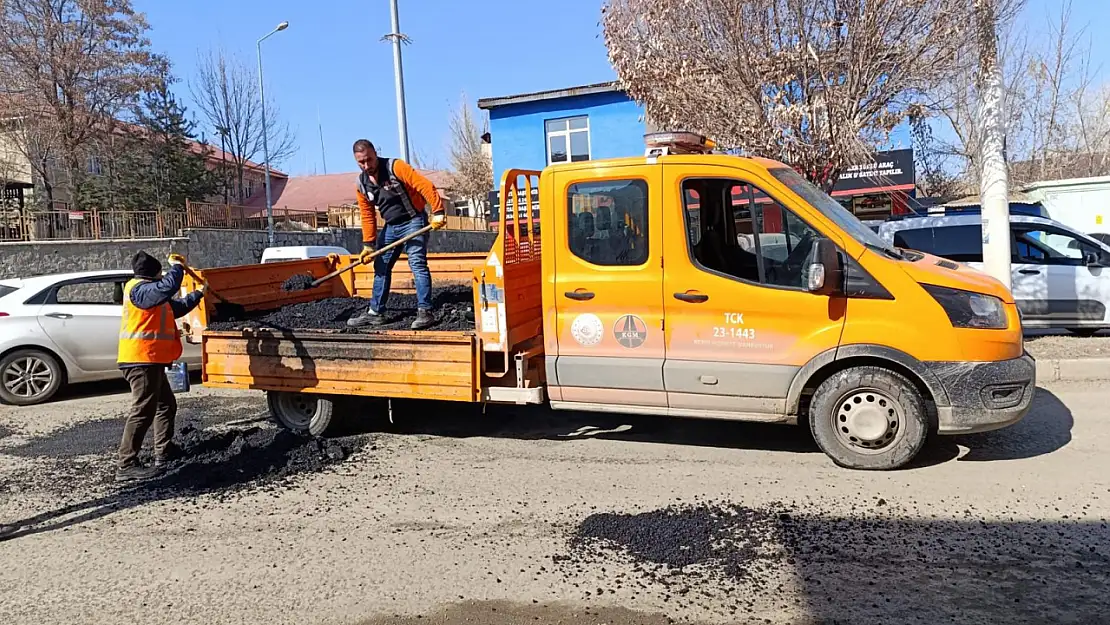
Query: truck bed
(391, 363)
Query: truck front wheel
(301, 413)
(869, 418)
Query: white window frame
(548, 134)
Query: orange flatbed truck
(682, 283)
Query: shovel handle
(374, 254)
(199, 279)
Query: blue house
(534, 130)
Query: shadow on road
(1046, 428)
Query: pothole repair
(222, 462)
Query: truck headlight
(969, 310)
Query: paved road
(507, 518)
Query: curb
(1073, 369)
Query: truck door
(608, 288)
(739, 324)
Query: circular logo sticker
(630, 331)
(587, 330)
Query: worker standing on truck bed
(149, 341)
(402, 196)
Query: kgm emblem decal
(630, 331)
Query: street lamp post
(265, 132)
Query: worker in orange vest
(149, 341)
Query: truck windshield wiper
(889, 251)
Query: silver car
(62, 329)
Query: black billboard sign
(893, 168)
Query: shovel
(303, 285)
(225, 309)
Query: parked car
(1060, 277)
(1101, 236)
(300, 252)
(62, 329)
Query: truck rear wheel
(869, 418)
(301, 413)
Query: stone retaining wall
(203, 247)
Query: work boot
(367, 319)
(423, 319)
(135, 472)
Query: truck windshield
(832, 209)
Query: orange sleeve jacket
(421, 191)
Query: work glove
(177, 259)
(367, 250)
(333, 259)
(438, 221)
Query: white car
(1060, 277)
(300, 252)
(62, 329)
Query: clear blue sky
(331, 58)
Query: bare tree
(813, 83)
(1057, 116)
(70, 67)
(226, 92)
(472, 177)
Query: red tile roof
(320, 192)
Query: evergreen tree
(154, 165)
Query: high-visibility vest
(147, 336)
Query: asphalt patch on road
(507, 613)
(237, 460)
(692, 554)
(453, 309)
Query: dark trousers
(152, 402)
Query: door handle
(580, 296)
(1030, 272)
(693, 298)
(60, 315)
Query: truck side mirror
(824, 272)
(1092, 259)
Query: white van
(1060, 277)
(300, 252)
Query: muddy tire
(29, 376)
(302, 413)
(869, 418)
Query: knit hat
(146, 266)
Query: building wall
(1084, 205)
(519, 138)
(13, 165)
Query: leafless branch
(226, 91)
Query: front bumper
(984, 396)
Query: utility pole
(993, 184)
(398, 77)
(320, 127)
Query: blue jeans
(417, 251)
